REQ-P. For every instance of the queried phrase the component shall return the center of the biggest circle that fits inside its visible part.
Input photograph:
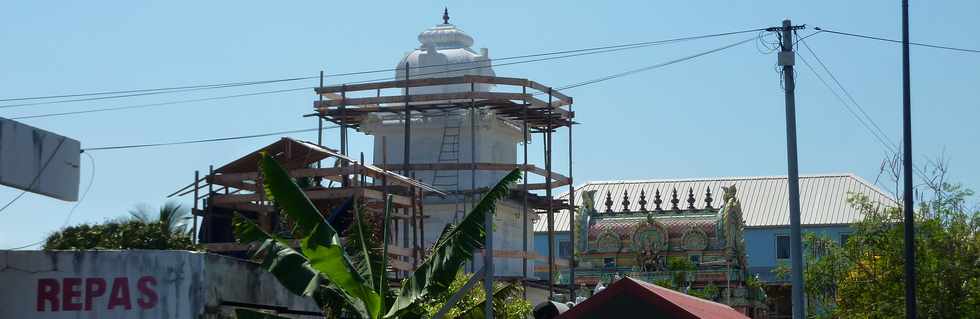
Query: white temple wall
(507, 231)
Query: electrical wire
(220, 139)
(879, 134)
(888, 147)
(605, 78)
(147, 93)
(36, 177)
(176, 89)
(565, 54)
(71, 212)
(897, 41)
(199, 86)
(651, 67)
(91, 180)
(573, 53)
(139, 106)
(846, 92)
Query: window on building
(609, 262)
(564, 249)
(782, 247)
(696, 259)
(843, 238)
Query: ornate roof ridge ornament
(708, 199)
(626, 202)
(657, 201)
(608, 202)
(643, 201)
(674, 200)
(690, 198)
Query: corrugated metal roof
(765, 199)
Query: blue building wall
(761, 246)
(541, 248)
(760, 243)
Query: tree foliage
(508, 301)
(864, 278)
(167, 231)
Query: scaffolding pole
(197, 177)
(571, 214)
(550, 213)
(524, 200)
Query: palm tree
(321, 269)
(172, 217)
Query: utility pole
(908, 208)
(786, 59)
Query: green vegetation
(508, 301)
(167, 231)
(356, 284)
(863, 278)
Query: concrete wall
(496, 142)
(761, 246)
(507, 234)
(134, 284)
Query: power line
(888, 147)
(314, 129)
(846, 93)
(564, 54)
(897, 41)
(91, 180)
(71, 212)
(146, 93)
(651, 67)
(176, 89)
(220, 139)
(575, 53)
(139, 106)
(36, 177)
(879, 135)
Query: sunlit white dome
(445, 52)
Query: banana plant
(321, 268)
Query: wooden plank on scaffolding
(249, 207)
(329, 193)
(325, 172)
(422, 98)
(465, 79)
(399, 251)
(565, 99)
(399, 265)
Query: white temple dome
(445, 36)
(445, 51)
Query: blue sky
(717, 115)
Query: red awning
(629, 297)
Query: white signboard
(38, 161)
(137, 284)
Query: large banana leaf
(331, 261)
(321, 245)
(382, 286)
(499, 303)
(282, 189)
(434, 275)
(367, 257)
(291, 268)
